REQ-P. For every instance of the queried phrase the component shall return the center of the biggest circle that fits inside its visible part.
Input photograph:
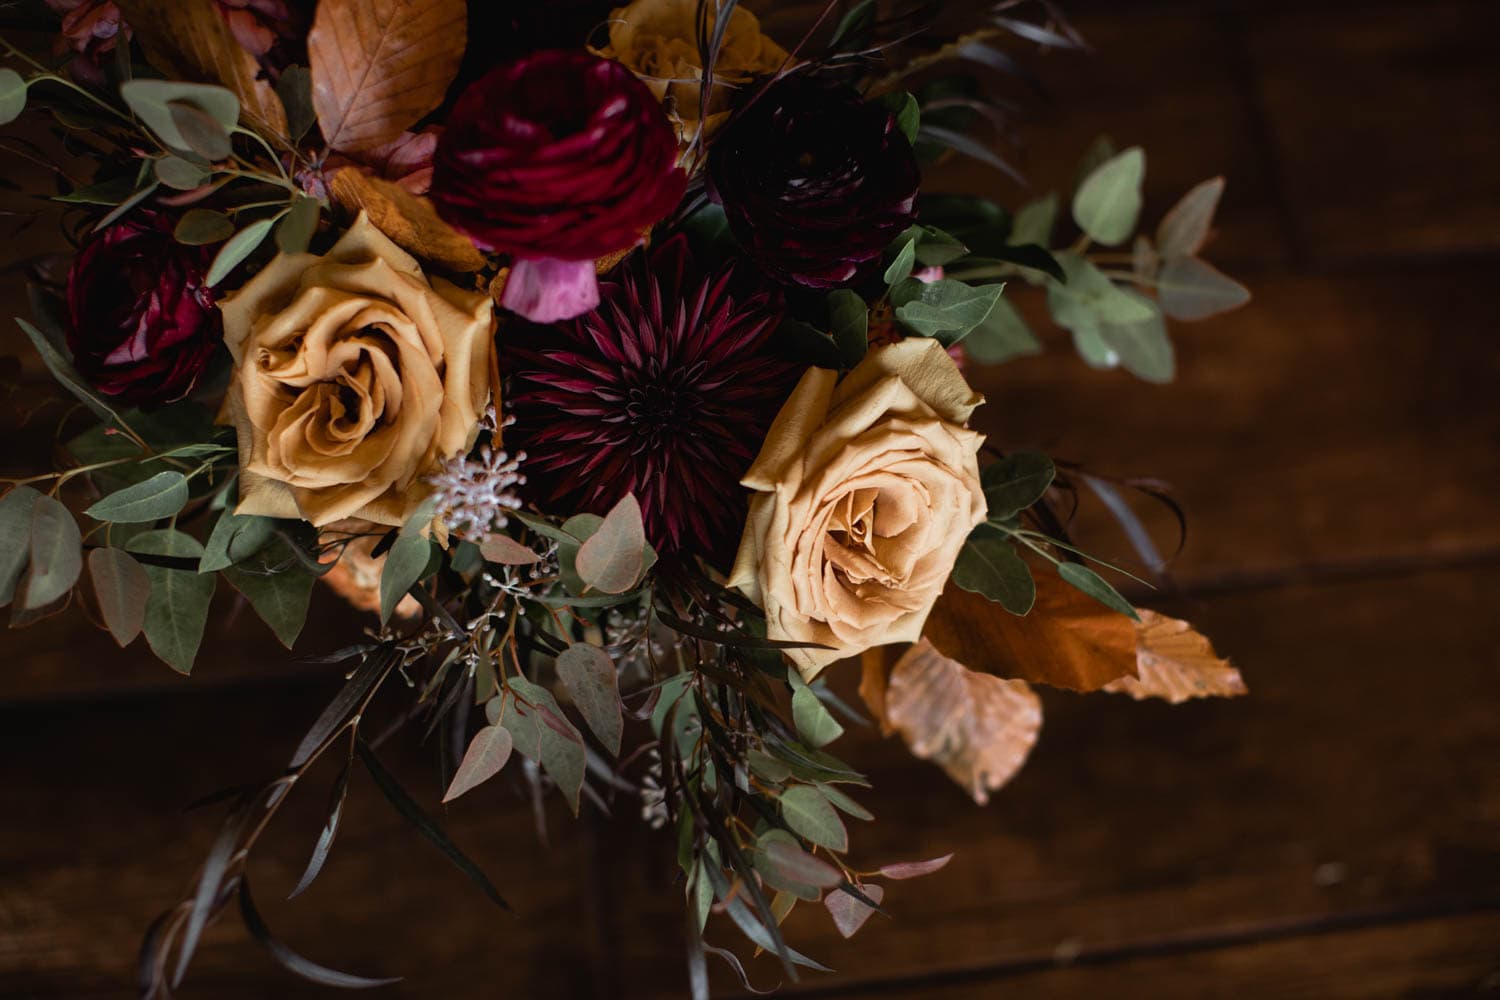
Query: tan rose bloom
(354, 376)
(865, 492)
(657, 41)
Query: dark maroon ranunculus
(141, 323)
(556, 159)
(815, 180)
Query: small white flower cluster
(473, 496)
(653, 796)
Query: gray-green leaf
(164, 106)
(813, 720)
(56, 554)
(161, 496)
(15, 529)
(1107, 204)
(849, 320)
(1184, 228)
(949, 310)
(1003, 335)
(278, 588)
(297, 228)
(403, 567)
(177, 173)
(239, 246)
(123, 589)
(1192, 289)
(590, 678)
(988, 564)
(901, 267)
(235, 538)
(807, 812)
(1034, 221)
(177, 609)
(13, 96)
(541, 732)
(1015, 482)
(1097, 587)
(201, 226)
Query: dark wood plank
(95, 845)
(1450, 957)
(1357, 775)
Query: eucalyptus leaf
(240, 246)
(179, 174)
(106, 192)
(848, 319)
(295, 90)
(591, 680)
(296, 230)
(949, 310)
(806, 343)
(988, 564)
(541, 732)
(1088, 301)
(1015, 482)
(12, 95)
(1003, 335)
(1142, 347)
(808, 813)
(1034, 221)
(901, 267)
(202, 226)
(277, 587)
(177, 609)
(61, 368)
(165, 105)
(1097, 587)
(782, 862)
(161, 496)
(56, 554)
(486, 756)
(123, 589)
(1185, 227)
(15, 532)
(1192, 289)
(904, 108)
(612, 559)
(814, 722)
(404, 564)
(1107, 204)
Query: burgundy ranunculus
(665, 391)
(556, 159)
(815, 180)
(141, 324)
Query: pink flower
(90, 29)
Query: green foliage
(906, 256)
(542, 733)
(12, 95)
(154, 499)
(1015, 482)
(1097, 587)
(194, 118)
(55, 558)
(404, 565)
(782, 862)
(123, 588)
(277, 585)
(234, 538)
(989, 565)
(907, 112)
(1111, 326)
(179, 174)
(1107, 204)
(295, 232)
(810, 814)
(612, 558)
(1183, 230)
(487, 754)
(202, 226)
(814, 722)
(50, 346)
(234, 252)
(1034, 221)
(591, 680)
(1192, 289)
(15, 534)
(948, 310)
(177, 609)
(1003, 335)
(294, 87)
(849, 324)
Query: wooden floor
(1337, 444)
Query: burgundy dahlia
(141, 323)
(666, 390)
(815, 180)
(556, 159)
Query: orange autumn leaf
(190, 40)
(978, 728)
(380, 65)
(408, 219)
(1176, 663)
(1068, 640)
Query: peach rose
(355, 375)
(865, 490)
(657, 41)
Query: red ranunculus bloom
(815, 180)
(141, 323)
(556, 159)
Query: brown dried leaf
(1068, 640)
(380, 65)
(875, 664)
(978, 728)
(1176, 663)
(190, 40)
(408, 219)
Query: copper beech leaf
(191, 40)
(1176, 663)
(613, 558)
(408, 219)
(488, 751)
(380, 65)
(122, 588)
(978, 728)
(849, 914)
(1069, 640)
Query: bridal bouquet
(614, 360)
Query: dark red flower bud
(141, 323)
(815, 181)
